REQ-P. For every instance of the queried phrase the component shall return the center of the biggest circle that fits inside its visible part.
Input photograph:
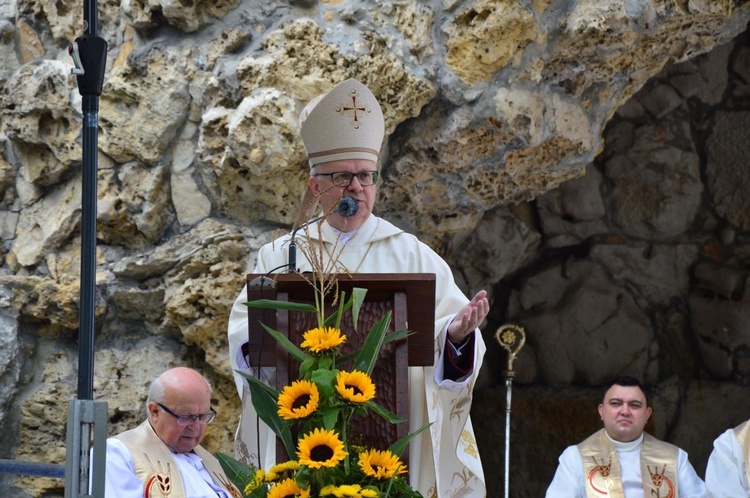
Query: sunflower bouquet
(311, 416)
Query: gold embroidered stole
(214, 468)
(603, 476)
(742, 432)
(156, 467)
(659, 463)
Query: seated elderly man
(162, 457)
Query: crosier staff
(512, 338)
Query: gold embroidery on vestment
(659, 479)
(161, 478)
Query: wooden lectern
(411, 299)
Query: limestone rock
(447, 201)
(577, 316)
(134, 205)
(8, 58)
(256, 174)
(7, 179)
(201, 287)
(189, 201)
(51, 305)
(414, 22)
(30, 45)
(502, 244)
(488, 36)
(728, 179)
(38, 115)
(144, 103)
(188, 17)
(574, 211)
(666, 161)
(298, 61)
(65, 19)
(47, 223)
(720, 312)
(658, 273)
(10, 366)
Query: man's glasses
(203, 418)
(342, 179)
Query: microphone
(347, 207)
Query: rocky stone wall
(641, 269)
(580, 159)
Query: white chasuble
(445, 456)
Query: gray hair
(158, 389)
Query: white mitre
(345, 123)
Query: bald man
(163, 457)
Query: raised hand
(469, 318)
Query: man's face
(624, 412)
(181, 438)
(329, 195)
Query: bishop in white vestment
(343, 154)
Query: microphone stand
(89, 53)
(512, 338)
(292, 265)
(346, 207)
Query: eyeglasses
(203, 418)
(343, 179)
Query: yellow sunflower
(328, 490)
(356, 386)
(348, 491)
(319, 339)
(369, 493)
(282, 470)
(320, 448)
(298, 400)
(255, 482)
(288, 488)
(380, 464)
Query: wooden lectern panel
(410, 298)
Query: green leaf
(398, 335)
(290, 347)
(306, 366)
(324, 379)
(330, 417)
(269, 391)
(340, 313)
(238, 472)
(383, 412)
(373, 342)
(280, 305)
(344, 306)
(325, 362)
(358, 297)
(264, 401)
(399, 446)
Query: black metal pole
(90, 17)
(90, 52)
